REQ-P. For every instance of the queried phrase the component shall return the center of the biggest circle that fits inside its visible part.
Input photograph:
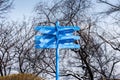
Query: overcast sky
(22, 8)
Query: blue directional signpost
(56, 37)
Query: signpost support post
(57, 63)
(57, 51)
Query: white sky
(22, 8)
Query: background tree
(7, 43)
(96, 59)
(5, 6)
(93, 58)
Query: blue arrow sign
(45, 42)
(75, 28)
(61, 46)
(68, 37)
(64, 32)
(37, 37)
(69, 45)
(46, 30)
(62, 39)
(52, 30)
(40, 28)
(37, 46)
(66, 41)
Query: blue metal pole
(57, 63)
(57, 52)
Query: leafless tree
(7, 43)
(5, 6)
(113, 11)
(95, 59)
(92, 59)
